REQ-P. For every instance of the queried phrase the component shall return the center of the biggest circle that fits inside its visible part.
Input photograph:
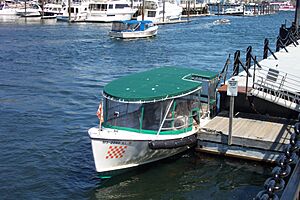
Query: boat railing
(180, 122)
(278, 83)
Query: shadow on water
(186, 176)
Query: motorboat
(161, 11)
(221, 21)
(79, 12)
(286, 6)
(5, 9)
(133, 29)
(30, 10)
(52, 10)
(108, 11)
(151, 115)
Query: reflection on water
(188, 177)
(25, 20)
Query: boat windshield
(166, 117)
(120, 26)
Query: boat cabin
(166, 100)
(131, 25)
(104, 6)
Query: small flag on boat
(100, 112)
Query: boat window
(110, 6)
(184, 112)
(72, 9)
(153, 115)
(122, 114)
(151, 13)
(118, 26)
(104, 7)
(120, 6)
(35, 6)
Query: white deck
(288, 62)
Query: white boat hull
(112, 155)
(8, 12)
(76, 18)
(152, 31)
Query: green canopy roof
(156, 85)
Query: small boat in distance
(151, 115)
(286, 6)
(130, 29)
(221, 21)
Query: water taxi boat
(133, 29)
(150, 116)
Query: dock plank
(268, 134)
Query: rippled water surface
(51, 78)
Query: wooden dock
(254, 137)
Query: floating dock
(254, 137)
(274, 86)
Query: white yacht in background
(30, 10)
(5, 9)
(79, 12)
(108, 11)
(52, 10)
(239, 10)
(154, 11)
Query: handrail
(278, 83)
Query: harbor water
(51, 78)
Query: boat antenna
(297, 15)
